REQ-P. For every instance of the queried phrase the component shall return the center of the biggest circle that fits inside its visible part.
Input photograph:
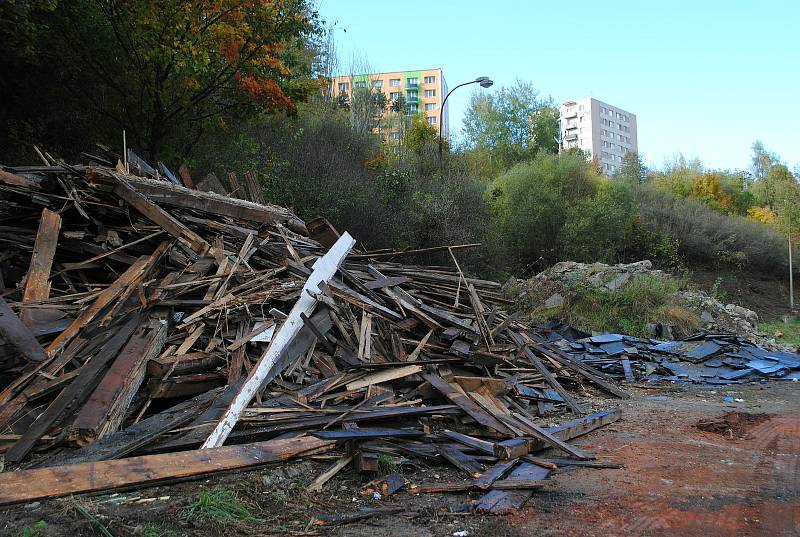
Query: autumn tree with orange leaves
(166, 71)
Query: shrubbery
(705, 236)
(549, 209)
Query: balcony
(571, 137)
(570, 115)
(571, 126)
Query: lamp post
(485, 82)
(791, 276)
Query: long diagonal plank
(548, 376)
(323, 270)
(109, 294)
(153, 212)
(148, 470)
(457, 397)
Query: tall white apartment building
(603, 131)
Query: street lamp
(485, 82)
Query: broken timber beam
(153, 212)
(19, 336)
(324, 269)
(148, 470)
(37, 282)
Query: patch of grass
(152, 530)
(789, 332)
(278, 496)
(387, 463)
(32, 531)
(629, 309)
(222, 504)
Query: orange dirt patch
(732, 424)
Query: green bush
(597, 228)
(707, 237)
(530, 205)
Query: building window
(394, 82)
(580, 119)
(413, 108)
(412, 82)
(430, 93)
(412, 94)
(394, 136)
(430, 80)
(360, 84)
(343, 87)
(394, 95)
(430, 106)
(377, 84)
(431, 120)
(580, 108)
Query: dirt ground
(767, 295)
(678, 480)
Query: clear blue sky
(704, 78)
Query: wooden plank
(485, 480)
(387, 281)
(472, 442)
(501, 502)
(460, 460)
(109, 294)
(186, 176)
(105, 409)
(477, 307)
(548, 376)
(384, 376)
(626, 368)
(19, 336)
(543, 435)
(37, 281)
(457, 397)
(147, 431)
(148, 470)
(324, 269)
(583, 425)
(582, 369)
(206, 202)
(125, 190)
(368, 433)
(73, 395)
(324, 477)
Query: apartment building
(423, 91)
(603, 131)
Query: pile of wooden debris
(144, 324)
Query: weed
(222, 504)
(278, 496)
(91, 518)
(782, 332)
(716, 292)
(629, 309)
(32, 531)
(157, 531)
(387, 464)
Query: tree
(508, 127)
(762, 160)
(420, 134)
(166, 71)
(531, 202)
(632, 169)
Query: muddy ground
(678, 480)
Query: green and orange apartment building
(423, 92)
